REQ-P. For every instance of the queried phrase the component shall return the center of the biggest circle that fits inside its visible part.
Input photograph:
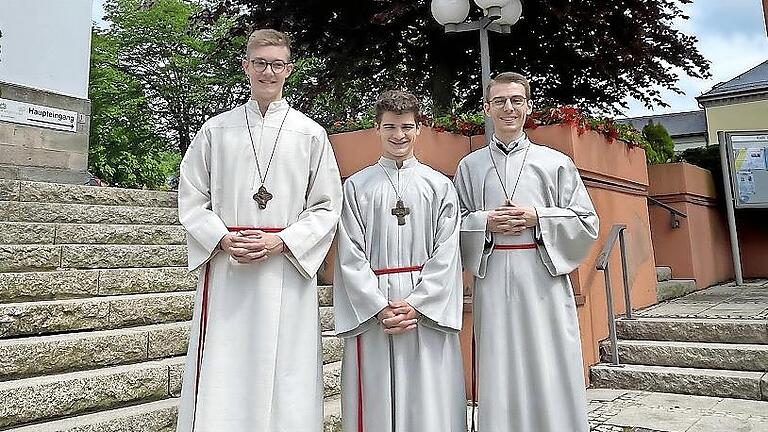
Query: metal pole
(485, 66)
(729, 206)
(625, 274)
(611, 319)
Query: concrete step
(15, 211)
(52, 397)
(18, 258)
(44, 233)
(694, 381)
(68, 284)
(674, 288)
(93, 313)
(69, 352)
(159, 416)
(26, 191)
(745, 357)
(663, 273)
(694, 330)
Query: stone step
(21, 233)
(93, 313)
(52, 397)
(694, 330)
(26, 191)
(69, 352)
(746, 357)
(19, 258)
(674, 288)
(663, 273)
(69, 284)
(159, 416)
(665, 379)
(332, 379)
(102, 313)
(15, 211)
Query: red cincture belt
(384, 271)
(515, 246)
(245, 228)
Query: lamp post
(499, 16)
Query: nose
(508, 104)
(399, 134)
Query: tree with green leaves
(661, 147)
(186, 73)
(587, 53)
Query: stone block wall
(42, 154)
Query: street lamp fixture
(498, 16)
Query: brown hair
(268, 37)
(398, 102)
(509, 77)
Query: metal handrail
(603, 261)
(673, 212)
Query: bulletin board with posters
(748, 163)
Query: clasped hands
(398, 317)
(251, 246)
(511, 219)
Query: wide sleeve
(204, 227)
(356, 295)
(309, 238)
(438, 295)
(566, 230)
(474, 240)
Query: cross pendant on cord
(400, 211)
(262, 197)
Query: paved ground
(638, 411)
(748, 301)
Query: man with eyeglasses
(527, 221)
(260, 197)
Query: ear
(487, 108)
(288, 69)
(529, 107)
(245, 65)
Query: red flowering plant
(474, 124)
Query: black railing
(673, 212)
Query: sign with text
(37, 115)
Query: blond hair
(268, 37)
(510, 77)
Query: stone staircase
(687, 352)
(668, 288)
(95, 303)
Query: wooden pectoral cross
(400, 211)
(262, 197)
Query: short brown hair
(268, 37)
(509, 77)
(398, 102)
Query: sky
(731, 35)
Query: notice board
(748, 165)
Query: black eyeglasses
(501, 102)
(260, 65)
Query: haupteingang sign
(37, 115)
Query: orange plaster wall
(700, 248)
